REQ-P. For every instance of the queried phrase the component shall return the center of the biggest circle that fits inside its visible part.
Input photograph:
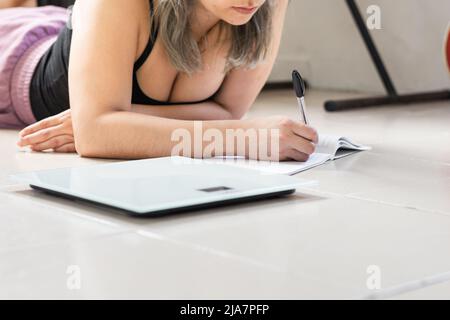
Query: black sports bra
(139, 97)
(49, 89)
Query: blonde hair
(249, 43)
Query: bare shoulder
(117, 13)
(119, 21)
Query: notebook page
(330, 147)
(266, 167)
(328, 144)
(347, 147)
(338, 146)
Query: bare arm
(241, 86)
(208, 110)
(101, 67)
(17, 3)
(105, 124)
(239, 89)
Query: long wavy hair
(249, 43)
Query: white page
(330, 147)
(328, 144)
(266, 167)
(347, 147)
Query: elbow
(90, 135)
(85, 143)
(238, 111)
(234, 111)
(85, 148)
(238, 114)
(86, 153)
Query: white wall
(321, 39)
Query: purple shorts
(25, 35)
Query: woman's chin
(238, 21)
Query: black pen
(299, 88)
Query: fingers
(302, 138)
(295, 155)
(42, 135)
(67, 148)
(302, 145)
(54, 143)
(306, 132)
(292, 141)
(41, 125)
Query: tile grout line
(353, 196)
(66, 242)
(397, 205)
(411, 286)
(434, 162)
(223, 254)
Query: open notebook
(329, 148)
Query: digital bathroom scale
(156, 187)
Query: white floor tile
(130, 266)
(389, 207)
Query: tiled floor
(389, 207)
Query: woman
(134, 78)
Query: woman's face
(234, 12)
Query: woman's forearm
(124, 135)
(129, 135)
(209, 110)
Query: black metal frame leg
(392, 96)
